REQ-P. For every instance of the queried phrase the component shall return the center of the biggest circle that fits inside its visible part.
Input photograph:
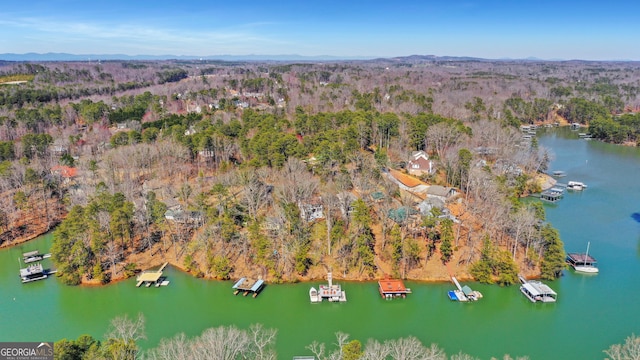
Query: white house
(420, 164)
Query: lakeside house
(420, 164)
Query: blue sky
(491, 29)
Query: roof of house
(422, 162)
(65, 171)
(438, 190)
(406, 180)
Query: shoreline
(432, 280)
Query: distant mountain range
(290, 57)
(106, 57)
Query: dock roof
(538, 288)
(150, 276)
(248, 284)
(392, 286)
(581, 258)
(31, 253)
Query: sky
(494, 29)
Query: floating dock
(33, 272)
(537, 291)
(390, 288)
(152, 277)
(33, 256)
(248, 286)
(331, 292)
(552, 195)
(463, 293)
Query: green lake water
(592, 312)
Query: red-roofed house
(66, 172)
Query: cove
(592, 312)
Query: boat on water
(313, 295)
(583, 263)
(33, 256)
(576, 186)
(33, 272)
(537, 291)
(558, 173)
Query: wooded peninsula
(412, 167)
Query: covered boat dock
(537, 291)
(581, 259)
(463, 293)
(152, 277)
(390, 288)
(247, 286)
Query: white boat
(583, 262)
(313, 295)
(576, 185)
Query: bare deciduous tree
(123, 328)
(630, 350)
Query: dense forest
(289, 170)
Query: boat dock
(331, 292)
(581, 258)
(583, 262)
(152, 277)
(33, 272)
(537, 291)
(248, 286)
(552, 195)
(463, 293)
(33, 256)
(390, 288)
